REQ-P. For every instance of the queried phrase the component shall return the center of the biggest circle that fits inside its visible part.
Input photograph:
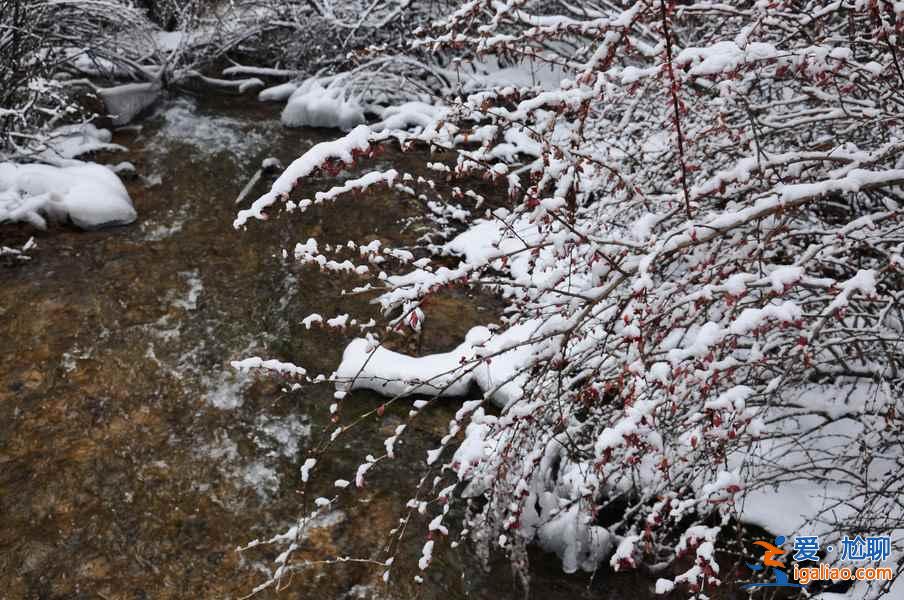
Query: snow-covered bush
(307, 37)
(701, 251)
(53, 54)
(30, 100)
(347, 60)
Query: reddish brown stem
(673, 87)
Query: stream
(134, 460)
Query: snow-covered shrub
(344, 100)
(30, 100)
(701, 252)
(54, 53)
(348, 60)
(308, 37)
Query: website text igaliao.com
(824, 572)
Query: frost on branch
(700, 251)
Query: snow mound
(313, 105)
(410, 115)
(394, 374)
(71, 141)
(278, 93)
(125, 102)
(88, 194)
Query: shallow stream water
(134, 460)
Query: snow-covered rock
(125, 102)
(88, 194)
(391, 373)
(71, 141)
(278, 93)
(313, 105)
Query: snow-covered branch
(700, 245)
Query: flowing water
(133, 460)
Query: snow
(306, 469)
(723, 56)
(407, 115)
(312, 105)
(274, 365)
(89, 195)
(125, 102)
(664, 586)
(170, 40)
(343, 149)
(487, 72)
(853, 181)
(71, 141)
(486, 240)
(653, 338)
(20, 253)
(864, 282)
(426, 555)
(579, 545)
(278, 93)
(395, 374)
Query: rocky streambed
(134, 460)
